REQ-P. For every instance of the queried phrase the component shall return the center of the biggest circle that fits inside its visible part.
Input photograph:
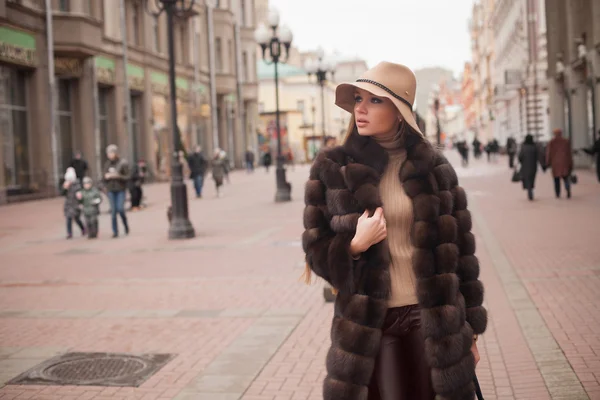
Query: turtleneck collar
(393, 143)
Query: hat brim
(344, 98)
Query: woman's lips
(362, 122)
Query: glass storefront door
(14, 129)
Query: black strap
(387, 89)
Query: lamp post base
(180, 227)
(284, 188)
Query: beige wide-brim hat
(393, 81)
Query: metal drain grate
(94, 369)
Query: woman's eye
(375, 100)
(357, 99)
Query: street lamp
(180, 226)
(320, 68)
(278, 39)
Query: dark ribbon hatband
(387, 89)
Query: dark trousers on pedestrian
(401, 370)
(136, 196)
(567, 182)
(198, 184)
(511, 160)
(91, 222)
(249, 166)
(70, 225)
(117, 206)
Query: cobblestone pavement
(230, 305)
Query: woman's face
(374, 115)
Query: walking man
(560, 158)
(197, 163)
(511, 149)
(249, 157)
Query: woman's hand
(369, 231)
(475, 352)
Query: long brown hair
(306, 276)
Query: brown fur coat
(343, 183)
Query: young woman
(387, 225)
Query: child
(90, 198)
(71, 207)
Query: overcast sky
(417, 33)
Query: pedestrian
(267, 160)
(226, 166)
(136, 181)
(249, 157)
(488, 151)
(79, 165)
(71, 207)
(463, 150)
(511, 150)
(528, 157)
(476, 148)
(198, 165)
(387, 225)
(218, 170)
(595, 150)
(90, 198)
(116, 176)
(560, 158)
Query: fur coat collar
(343, 183)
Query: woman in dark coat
(386, 225)
(528, 157)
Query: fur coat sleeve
(327, 250)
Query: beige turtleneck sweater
(398, 212)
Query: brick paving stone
(194, 298)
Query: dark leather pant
(401, 371)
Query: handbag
(517, 177)
(573, 178)
(477, 389)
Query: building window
(64, 5)
(243, 11)
(136, 24)
(231, 57)
(65, 122)
(182, 42)
(156, 34)
(87, 7)
(218, 55)
(261, 107)
(217, 4)
(103, 98)
(245, 66)
(136, 104)
(14, 129)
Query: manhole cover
(94, 369)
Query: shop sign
(17, 47)
(160, 83)
(68, 67)
(105, 70)
(135, 76)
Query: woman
(528, 157)
(218, 170)
(387, 225)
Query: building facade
(482, 50)
(520, 87)
(468, 98)
(301, 106)
(573, 37)
(93, 86)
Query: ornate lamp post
(320, 68)
(275, 41)
(181, 227)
